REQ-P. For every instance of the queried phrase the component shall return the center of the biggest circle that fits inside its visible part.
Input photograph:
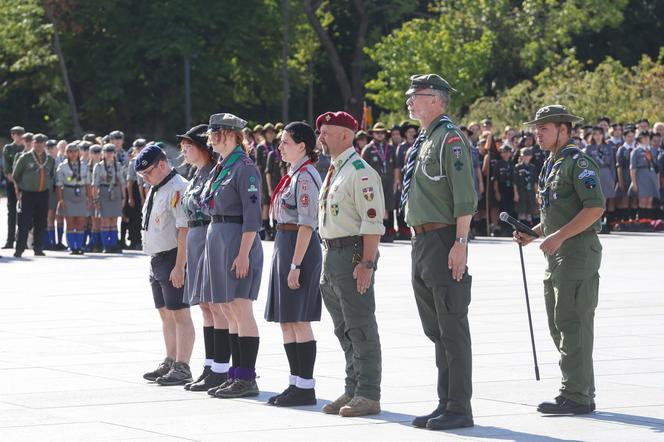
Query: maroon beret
(340, 118)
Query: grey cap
(27, 136)
(139, 142)
(51, 143)
(84, 145)
(116, 135)
(95, 148)
(109, 148)
(40, 138)
(225, 121)
(17, 130)
(73, 146)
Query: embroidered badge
(253, 198)
(582, 163)
(371, 213)
(457, 151)
(450, 126)
(453, 139)
(304, 200)
(252, 179)
(157, 220)
(175, 200)
(334, 209)
(358, 164)
(458, 165)
(368, 193)
(586, 173)
(252, 188)
(590, 183)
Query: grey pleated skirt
(608, 182)
(110, 208)
(646, 180)
(628, 181)
(222, 245)
(195, 280)
(75, 204)
(303, 304)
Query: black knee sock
(208, 340)
(306, 355)
(291, 354)
(235, 348)
(248, 351)
(222, 350)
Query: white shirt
(166, 217)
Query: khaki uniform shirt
(166, 216)
(442, 187)
(9, 154)
(569, 182)
(32, 174)
(355, 204)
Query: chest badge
(368, 193)
(334, 209)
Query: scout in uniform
(361, 140)
(572, 205)
(624, 201)
(215, 325)
(51, 242)
(350, 221)
(379, 155)
(135, 199)
(9, 154)
(33, 175)
(95, 243)
(233, 249)
(294, 298)
(109, 194)
(503, 180)
(262, 151)
(116, 138)
(439, 200)
(275, 168)
(525, 186)
(644, 175)
(74, 196)
(603, 155)
(165, 240)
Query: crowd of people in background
(506, 165)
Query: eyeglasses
(420, 95)
(147, 171)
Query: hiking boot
(239, 388)
(421, 421)
(271, 399)
(163, 368)
(211, 381)
(334, 407)
(450, 420)
(296, 397)
(179, 374)
(360, 406)
(206, 371)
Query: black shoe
(239, 388)
(271, 399)
(386, 239)
(421, 421)
(560, 398)
(450, 420)
(179, 374)
(564, 406)
(212, 391)
(297, 397)
(8, 245)
(163, 368)
(117, 249)
(60, 247)
(212, 380)
(18, 253)
(206, 371)
(39, 253)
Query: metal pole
(187, 93)
(530, 320)
(285, 93)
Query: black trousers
(34, 214)
(11, 213)
(135, 217)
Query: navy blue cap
(148, 156)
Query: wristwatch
(295, 266)
(461, 240)
(369, 264)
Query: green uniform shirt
(442, 187)
(34, 174)
(569, 182)
(9, 154)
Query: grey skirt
(646, 180)
(608, 182)
(628, 181)
(303, 304)
(75, 204)
(195, 281)
(110, 208)
(222, 245)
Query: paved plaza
(77, 333)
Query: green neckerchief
(226, 165)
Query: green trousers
(354, 321)
(571, 284)
(443, 307)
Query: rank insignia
(334, 209)
(368, 193)
(590, 183)
(453, 139)
(458, 165)
(371, 213)
(582, 163)
(175, 200)
(304, 200)
(358, 164)
(365, 178)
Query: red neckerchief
(284, 182)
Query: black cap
(40, 138)
(197, 135)
(51, 143)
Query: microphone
(517, 225)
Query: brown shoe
(360, 406)
(334, 407)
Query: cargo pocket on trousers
(457, 296)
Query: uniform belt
(107, 185)
(165, 252)
(340, 243)
(191, 224)
(74, 185)
(288, 227)
(217, 219)
(428, 227)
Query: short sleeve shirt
(166, 216)
(297, 203)
(72, 174)
(108, 174)
(354, 204)
(191, 199)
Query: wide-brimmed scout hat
(553, 113)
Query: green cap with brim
(553, 113)
(428, 81)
